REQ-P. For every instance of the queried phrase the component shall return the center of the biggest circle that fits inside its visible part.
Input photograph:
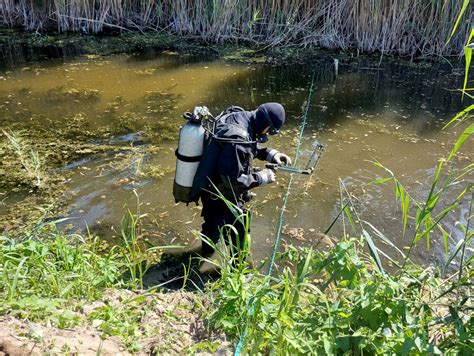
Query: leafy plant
(51, 264)
(44, 272)
(122, 322)
(427, 216)
(332, 302)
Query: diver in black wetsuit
(227, 163)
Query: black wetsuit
(227, 163)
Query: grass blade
(373, 251)
(467, 132)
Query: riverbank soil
(170, 325)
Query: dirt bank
(168, 323)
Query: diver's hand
(266, 176)
(281, 158)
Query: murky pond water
(108, 127)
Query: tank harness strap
(187, 158)
(233, 108)
(228, 111)
(237, 130)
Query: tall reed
(407, 27)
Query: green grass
(46, 274)
(44, 268)
(333, 302)
(51, 264)
(124, 322)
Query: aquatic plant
(28, 158)
(405, 27)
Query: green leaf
(467, 56)
(348, 214)
(469, 131)
(384, 238)
(343, 343)
(373, 250)
(380, 181)
(463, 9)
(460, 115)
(405, 207)
(445, 236)
(17, 275)
(418, 344)
(327, 345)
(457, 248)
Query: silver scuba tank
(189, 153)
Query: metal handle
(289, 169)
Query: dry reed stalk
(407, 27)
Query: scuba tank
(189, 153)
(197, 138)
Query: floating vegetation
(149, 71)
(33, 160)
(156, 171)
(61, 96)
(160, 102)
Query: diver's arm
(273, 156)
(235, 169)
(264, 153)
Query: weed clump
(44, 271)
(337, 302)
(53, 277)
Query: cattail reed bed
(405, 27)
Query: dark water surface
(392, 113)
